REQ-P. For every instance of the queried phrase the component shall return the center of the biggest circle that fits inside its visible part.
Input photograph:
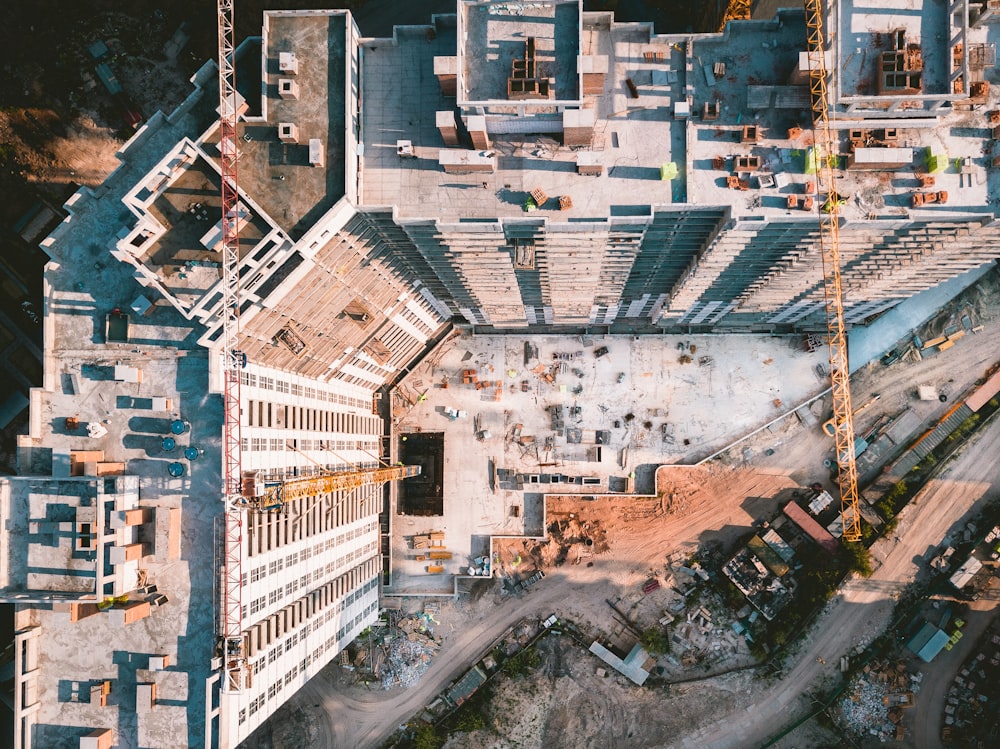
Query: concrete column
(989, 14)
(578, 127)
(477, 131)
(446, 70)
(594, 69)
(447, 127)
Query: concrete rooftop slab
(82, 284)
(278, 174)
(632, 140)
(495, 34)
(675, 414)
(866, 30)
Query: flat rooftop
(763, 87)
(41, 549)
(278, 175)
(753, 74)
(82, 284)
(498, 33)
(633, 138)
(867, 29)
(76, 655)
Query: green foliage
(469, 720)
(897, 492)
(964, 430)
(818, 580)
(523, 663)
(867, 532)
(993, 403)
(885, 509)
(734, 599)
(893, 500)
(426, 736)
(859, 559)
(655, 640)
(758, 650)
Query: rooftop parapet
(522, 53)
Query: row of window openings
(305, 391)
(268, 531)
(280, 415)
(292, 640)
(277, 565)
(262, 444)
(274, 689)
(333, 606)
(259, 604)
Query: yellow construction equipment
(736, 10)
(269, 496)
(829, 234)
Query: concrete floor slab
(661, 411)
(82, 284)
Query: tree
(655, 641)
(523, 663)
(469, 720)
(426, 737)
(859, 559)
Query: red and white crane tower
(232, 362)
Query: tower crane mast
(232, 361)
(829, 234)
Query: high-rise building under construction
(511, 167)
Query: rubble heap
(875, 703)
(408, 649)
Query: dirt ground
(567, 703)
(632, 536)
(58, 125)
(580, 708)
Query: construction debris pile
(971, 711)
(408, 648)
(874, 705)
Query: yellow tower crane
(270, 496)
(736, 10)
(829, 235)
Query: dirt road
(354, 717)
(365, 719)
(928, 716)
(862, 609)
